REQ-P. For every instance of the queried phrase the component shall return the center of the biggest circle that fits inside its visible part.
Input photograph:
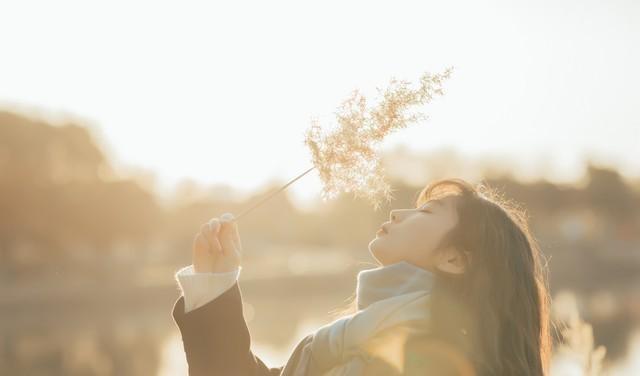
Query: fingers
(202, 256)
(217, 247)
(229, 234)
(232, 228)
(236, 235)
(200, 244)
(226, 217)
(210, 231)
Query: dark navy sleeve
(216, 339)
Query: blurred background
(126, 125)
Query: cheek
(418, 243)
(385, 250)
(396, 246)
(414, 236)
(411, 242)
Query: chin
(376, 251)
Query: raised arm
(214, 333)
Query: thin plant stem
(263, 200)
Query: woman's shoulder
(411, 354)
(375, 366)
(418, 355)
(425, 354)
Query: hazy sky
(224, 93)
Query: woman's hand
(217, 247)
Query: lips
(383, 230)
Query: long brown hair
(497, 312)
(494, 318)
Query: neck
(391, 280)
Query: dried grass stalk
(347, 158)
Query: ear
(451, 260)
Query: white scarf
(391, 296)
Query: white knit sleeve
(201, 288)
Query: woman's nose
(393, 216)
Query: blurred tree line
(64, 209)
(59, 196)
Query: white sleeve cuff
(201, 288)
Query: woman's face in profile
(412, 234)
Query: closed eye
(425, 210)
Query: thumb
(229, 235)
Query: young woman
(461, 289)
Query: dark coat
(216, 341)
